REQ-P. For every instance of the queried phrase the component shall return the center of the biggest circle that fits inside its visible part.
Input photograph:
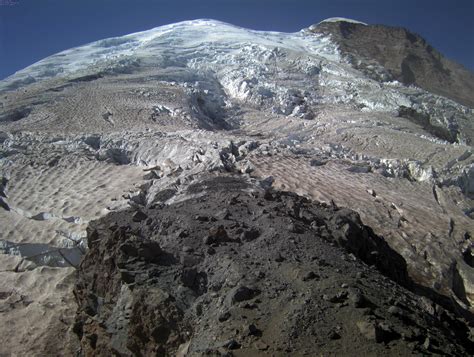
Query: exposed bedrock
(235, 269)
(402, 55)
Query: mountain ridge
(384, 45)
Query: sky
(33, 29)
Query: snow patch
(342, 19)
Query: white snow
(283, 72)
(186, 40)
(342, 19)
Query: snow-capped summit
(243, 63)
(182, 42)
(342, 19)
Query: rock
(267, 182)
(231, 344)
(198, 309)
(253, 330)
(139, 216)
(322, 262)
(295, 228)
(269, 196)
(246, 167)
(43, 216)
(182, 233)
(333, 335)
(317, 162)
(223, 214)
(427, 305)
(189, 260)
(195, 280)
(360, 169)
(378, 332)
(411, 334)
(427, 344)
(248, 306)
(223, 292)
(217, 235)
(127, 276)
(250, 235)
(142, 248)
(417, 64)
(372, 193)
(188, 249)
(396, 311)
(4, 135)
(385, 332)
(309, 276)
(224, 316)
(336, 298)
(201, 218)
(4, 205)
(367, 329)
(357, 299)
(279, 258)
(261, 346)
(183, 349)
(241, 293)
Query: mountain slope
(138, 121)
(246, 271)
(405, 56)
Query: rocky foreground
(234, 268)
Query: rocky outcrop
(393, 53)
(242, 271)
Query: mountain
(388, 53)
(267, 192)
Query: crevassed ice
(284, 72)
(189, 39)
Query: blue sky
(33, 29)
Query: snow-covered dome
(342, 19)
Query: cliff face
(403, 55)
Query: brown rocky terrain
(392, 53)
(237, 270)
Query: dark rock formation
(405, 56)
(176, 284)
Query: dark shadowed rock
(250, 235)
(146, 289)
(217, 235)
(241, 293)
(224, 316)
(139, 216)
(141, 248)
